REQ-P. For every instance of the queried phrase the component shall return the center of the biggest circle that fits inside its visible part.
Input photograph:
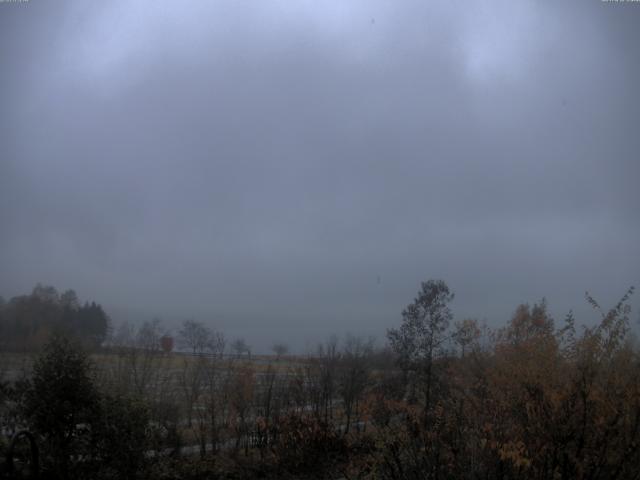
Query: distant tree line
(28, 321)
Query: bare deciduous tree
(466, 333)
(422, 333)
(194, 336)
(240, 347)
(354, 375)
(280, 349)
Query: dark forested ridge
(27, 321)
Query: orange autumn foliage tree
(538, 402)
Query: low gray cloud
(297, 168)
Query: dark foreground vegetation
(448, 400)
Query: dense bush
(303, 443)
(83, 432)
(59, 403)
(121, 437)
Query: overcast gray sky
(289, 169)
